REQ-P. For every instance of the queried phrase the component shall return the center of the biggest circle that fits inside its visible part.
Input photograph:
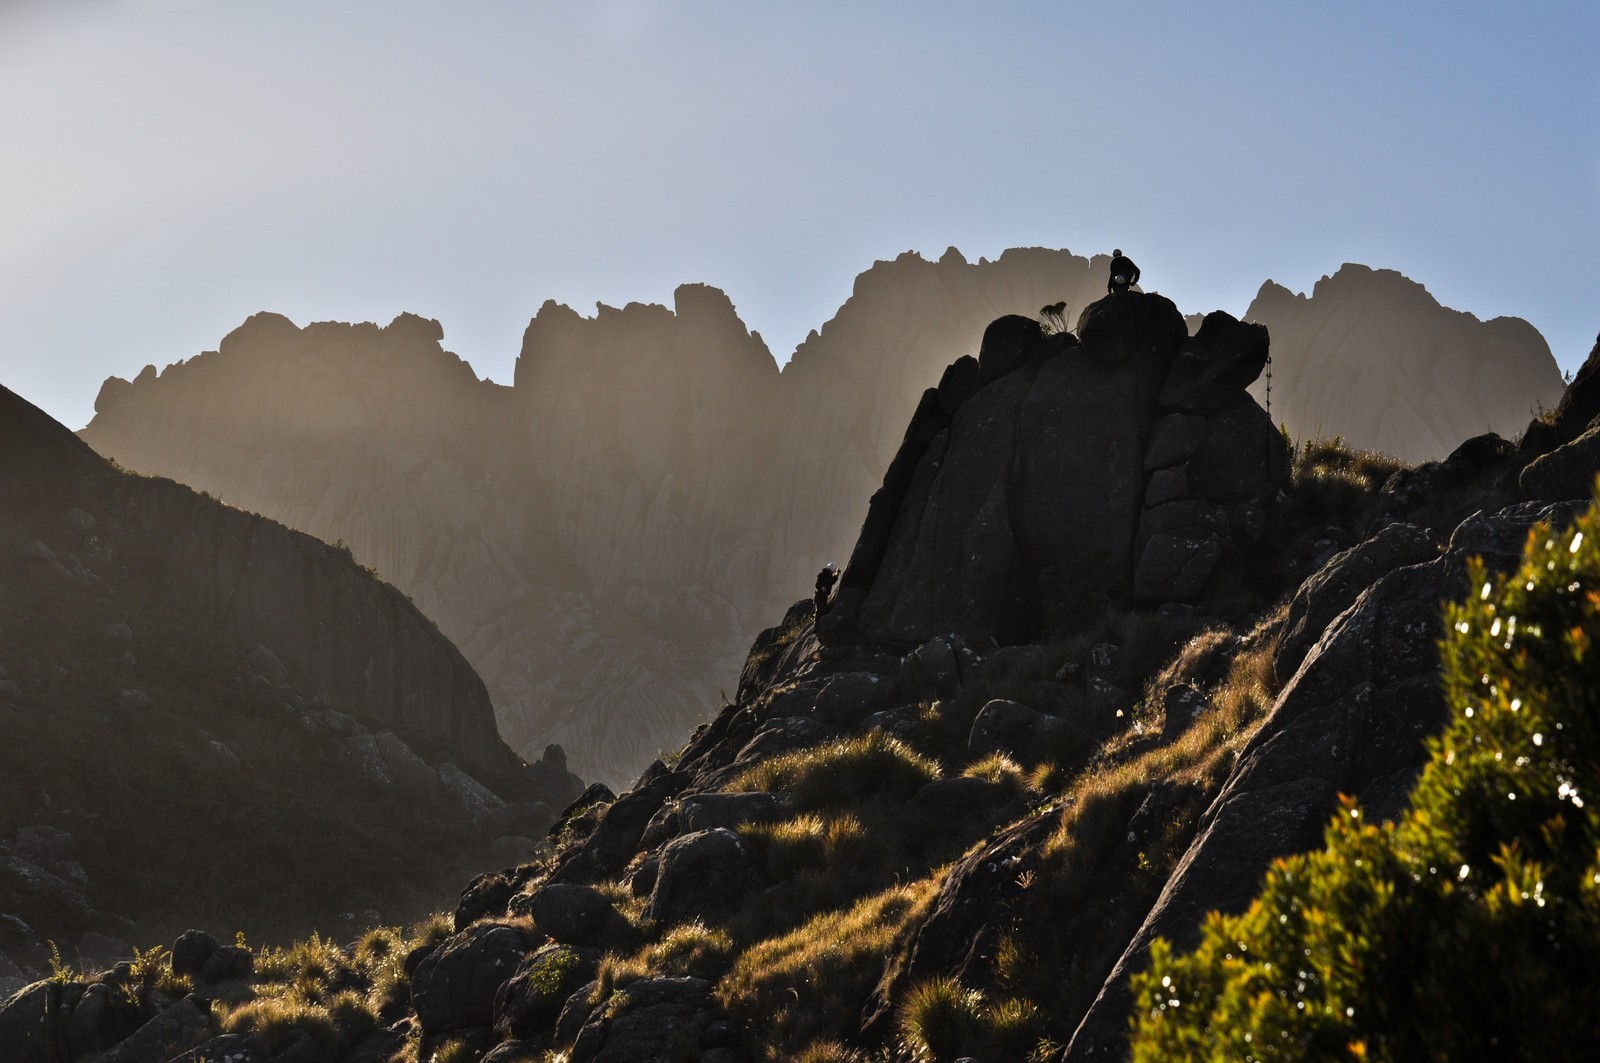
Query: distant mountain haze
(603, 538)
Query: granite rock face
(1046, 494)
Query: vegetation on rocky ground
(1471, 926)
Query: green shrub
(1470, 928)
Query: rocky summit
(1106, 648)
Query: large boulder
(1335, 586)
(185, 1025)
(528, 1004)
(657, 1019)
(1566, 472)
(701, 875)
(454, 987)
(1022, 734)
(33, 1024)
(1128, 325)
(1215, 365)
(1006, 345)
(569, 913)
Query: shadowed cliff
(192, 693)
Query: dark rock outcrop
(994, 523)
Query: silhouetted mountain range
(602, 538)
(1106, 648)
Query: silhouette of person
(1124, 274)
(825, 581)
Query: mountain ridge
(600, 536)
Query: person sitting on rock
(825, 581)
(1124, 274)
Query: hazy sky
(168, 167)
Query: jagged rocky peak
(701, 336)
(1056, 474)
(1372, 357)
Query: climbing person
(825, 581)
(1124, 274)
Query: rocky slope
(192, 693)
(603, 538)
(945, 825)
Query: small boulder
(360, 755)
(131, 700)
(1174, 439)
(1026, 736)
(849, 698)
(486, 895)
(227, 964)
(1006, 344)
(652, 1019)
(705, 811)
(44, 845)
(958, 797)
(939, 666)
(191, 951)
(568, 913)
(404, 767)
(101, 1018)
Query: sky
(169, 167)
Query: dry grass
(805, 986)
(940, 1019)
(1332, 484)
(335, 995)
(1003, 771)
(691, 949)
(842, 773)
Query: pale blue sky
(168, 167)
